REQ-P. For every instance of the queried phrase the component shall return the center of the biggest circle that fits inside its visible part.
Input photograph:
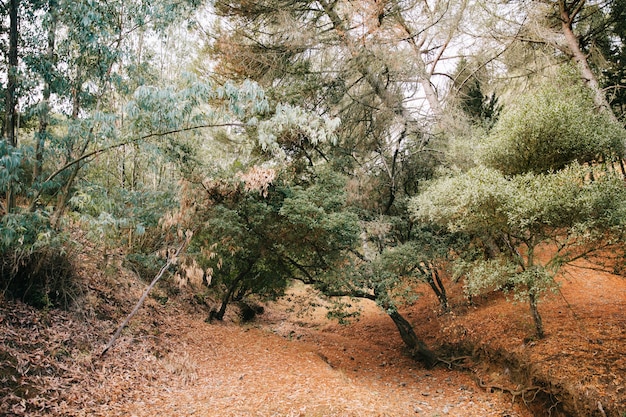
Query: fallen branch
(171, 259)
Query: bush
(35, 266)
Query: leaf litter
(297, 363)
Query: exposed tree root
(517, 392)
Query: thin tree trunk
(226, 299)
(431, 275)
(360, 56)
(44, 116)
(437, 285)
(532, 298)
(63, 198)
(10, 122)
(170, 260)
(64, 194)
(229, 293)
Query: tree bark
(44, 115)
(418, 348)
(63, 198)
(434, 280)
(360, 56)
(229, 293)
(10, 122)
(170, 260)
(532, 298)
(567, 19)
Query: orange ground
(293, 362)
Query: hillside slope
(292, 361)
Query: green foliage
(10, 166)
(547, 129)
(295, 121)
(470, 202)
(318, 212)
(533, 191)
(255, 239)
(185, 105)
(116, 217)
(34, 263)
(484, 201)
(468, 86)
(510, 217)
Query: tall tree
(569, 13)
(375, 65)
(571, 29)
(11, 99)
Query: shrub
(35, 266)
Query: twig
(170, 260)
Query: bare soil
(292, 361)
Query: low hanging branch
(119, 145)
(171, 259)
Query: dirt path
(292, 361)
(310, 367)
(297, 363)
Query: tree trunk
(418, 348)
(226, 299)
(10, 122)
(219, 315)
(536, 316)
(567, 18)
(44, 115)
(360, 56)
(63, 198)
(64, 194)
(170, 260)
(433, 279)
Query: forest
(419, 158)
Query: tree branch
(127, 142)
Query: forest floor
(292, 361)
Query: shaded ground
(293, 362)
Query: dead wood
(171, 259)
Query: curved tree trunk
(418, 347)
(219, 315)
